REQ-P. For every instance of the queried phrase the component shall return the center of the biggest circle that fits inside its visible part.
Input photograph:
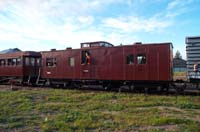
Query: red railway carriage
(19, 65)
(102, 62)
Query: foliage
(178, 55)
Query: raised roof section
(96, 44)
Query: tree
(178, 55)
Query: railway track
(123, 89)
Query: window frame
(51, 62)
(71, 61)
(83, 57)
(130, 59)
(14, 61)
(9, 62)
(19, 61)
(4, 62)
(141, 59)
(27, 61)
(32, 61)
(38, 61)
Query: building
(179, 65)
(193, 53)
(10, 50)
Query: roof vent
(138, 43)
(68, 48)
(53, 49)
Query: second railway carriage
(20, 66)
(102, 63)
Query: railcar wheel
(159, 89)
(165, 88)
(146, 90)
(131, 88)
(75, 85)
(180, 87)
(107, 87)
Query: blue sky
(46, 24)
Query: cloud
(88, 20)
(136, 24)
(179, 7)
(32, 24)
(46, 24)
(178, 4)
(174, 4)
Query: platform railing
(195, 75)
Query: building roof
(10, 51)
(179, 63)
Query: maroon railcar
(134, 64)
(23, 66)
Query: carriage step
(41, 82)
(15, 81)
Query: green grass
(73, 110)
(180, 76)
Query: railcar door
(141, 71)
(86, 65)
(31, 66)
(153, 65)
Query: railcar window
(141, 59)
(86, 59)
(14, 61)
(2, 62)
(18, 61)
(71, 61)
(9, 62)
(51, 62)
(130, 59)
(38, 61)
(102, 44)
(27, 61)
(86, 45)
(32, 61)
(108, 45)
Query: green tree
(178, 55)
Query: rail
(7, 79)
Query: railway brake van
(101, 63)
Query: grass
(73, 110)
(180, 76)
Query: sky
(40, 25)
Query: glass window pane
(86, 57)
(86, 45)
(32, 61)
(14, 61)
(130, 59)
(38, 61)
(141, 59)
(2, 62)
(9, 62)
(51, 62)
(72, 61)
(18, 61)
(27, 62)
